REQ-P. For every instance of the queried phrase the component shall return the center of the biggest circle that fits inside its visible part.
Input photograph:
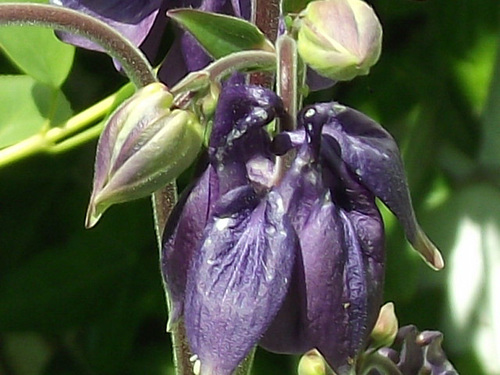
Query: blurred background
(76, 301)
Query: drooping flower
(294, 264)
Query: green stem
(50, 140)
(286, 72)
(378, 362)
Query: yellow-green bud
(312, 363)
(144, 145)
(340, 39)
(386, 327)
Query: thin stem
(380, 363)
(134, 63)
(45, 142)
(287, 78)
(265, 15)
(77, 140)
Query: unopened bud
(144, 145)
(340, 39)
(312, 363)
(386, 328)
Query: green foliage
(37, 52)
(221, 35)
(28, 107)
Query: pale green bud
(144, 145)
(340, 39)
(386, 327)
(312, 363)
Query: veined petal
(238, 279)
(182, 237)
(372, 155)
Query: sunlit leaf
(27, 106)
(37, 52)
(221, 35)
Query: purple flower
(294, 264)
(143, 23)
(418, 353)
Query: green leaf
(37, 52)
(490, 148)
(221, 35)
(294, 6)
(26, 107)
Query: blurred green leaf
(490, 148)
(221, 35)
(63, 287)
(476, 68)
(294, 6)
(37, 52)
(27, 107)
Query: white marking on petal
(197, 367)
(310, 113)
(222, 224)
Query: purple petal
(239, 278)
(317, 82)
(132, 18)
(434, 355)
(411, 357)
(238, 141)
(182, 237)
(373, 157)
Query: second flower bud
(144, 145)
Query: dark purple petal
(411, 357)
(421, 353)
(434, 355)
(239, 278)
(301, 190)
(132, 18)
(316, 82)
(182, 237)
(238, 143)
(372, 155)
(342, 246)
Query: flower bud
(386, 328)
(144, 145)
(312, 363)
(340, 39)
